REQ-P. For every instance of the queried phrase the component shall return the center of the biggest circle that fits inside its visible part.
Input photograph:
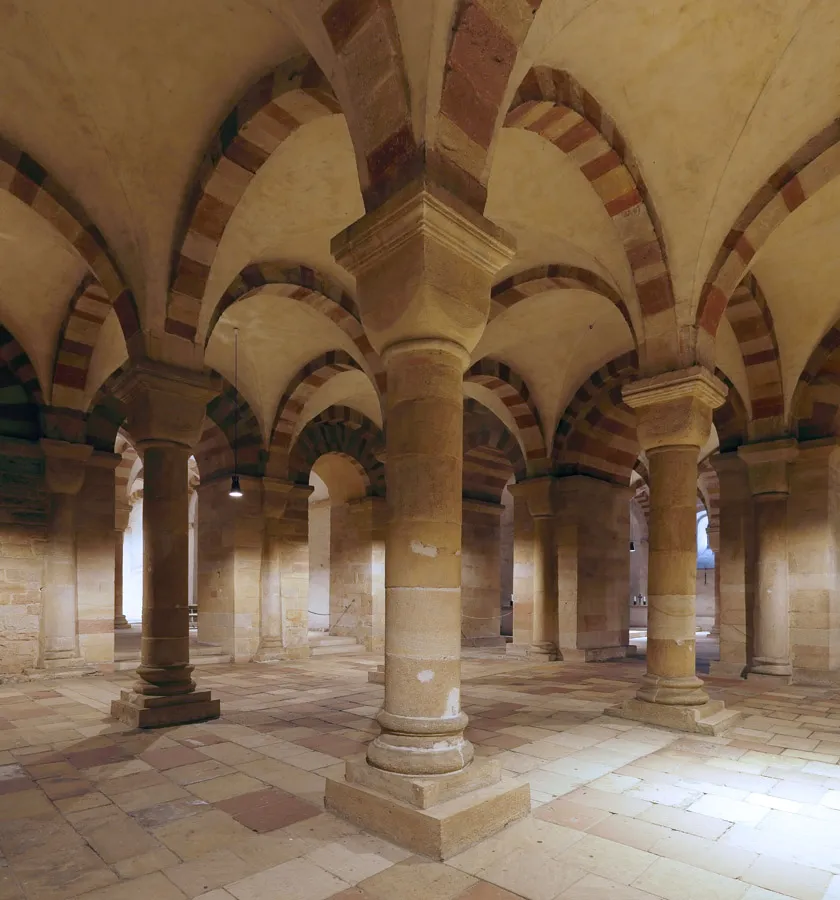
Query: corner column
(674, 418)
(166, 408)
(65, 473)
(424, 266)
(767, 466)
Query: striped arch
(24, 179)
(313, 290)
(357, 439)
(709, 487)
(304, 384)
(491, 454)
(549, 278)
(512, 390)
(271, 110)
(816, 400)
(810, 168)
(107, 415)
(596, 435)
(21, 399)
(731, 419)
(552, 104)
(243, 433)
(752, 322)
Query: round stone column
(674, 418)
(713, 537)
(165, 412)
(767, 468)
(121, 521)
(422, 723)
(65, 473)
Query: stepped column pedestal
(674, 418)
(166, 408)
(424, 266)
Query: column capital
(102, 459)
(767, 465)
(424, 264)
(65, 465)
(540, 495)
(675, 408)
(165, 404)
(277, 493)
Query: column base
(272, 650)
(769, 667)
(709, 718)
(140, 711)
(377, 675)
(493, 641)
(517, 651)
(121, 622)
(63, 659)
(542, 652)
(436, 816)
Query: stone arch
(816, 399)
(21, 398)
(272, 109)
(106, 415)
(539, 279)
(30, 183)
(309, 287)
(751, 320)
(709, 487)
(552, 104)
(810, 168)
(491, 454)
(347, 433)
(596, 434)
(513, 391)
(223, 432)
(313, 375)
(731, 420)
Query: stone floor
(233, 808)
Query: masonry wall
(523, 575)
(349, 576)
(506, 562)
(96, 560)
(480, 573)
(230, 541)
(23, 518)
(319, 565)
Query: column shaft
(422, 723)
(544, 620)
(164, 649)
(771, 647)
(120, 620)
(672, 564)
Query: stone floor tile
(113, 834)
(705, 854)
(309, 760)
(196, 772)
(25, 805)
(577, 768)
(483, 890)
(689, 822)
(730, 810)
(130, 801)
(155, 886)
(171, 757)
(301, 879)
(83, 801)
(632, 832)
(570, 814)
(357, 857)
(594, 887)
(144, 863)
(154, 816)
(673, 880)
(606, 858)
(67, 875)
(614, 803)
(213, 870)
(225, 787)
(613, 783)
(665, 794)
(268, 810)
(230, 753)
(801, 882)
(533, 873)
(203, 833)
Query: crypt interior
(419, 449)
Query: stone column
(523, 576)
(674, 418)
(65, 465)
(424, 267)
(734, 565)
(713, 537)
(284, 617)
(767, 465)
(481, 609)
(121, 514)
(538, 494)
(166, 408)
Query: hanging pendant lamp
(235, 489)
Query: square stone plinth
(710, 718)
(140, 711)
(377, 675)
(460, 809)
